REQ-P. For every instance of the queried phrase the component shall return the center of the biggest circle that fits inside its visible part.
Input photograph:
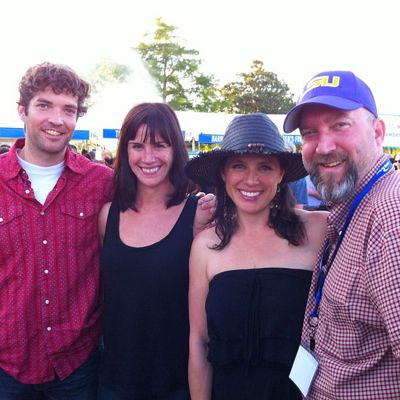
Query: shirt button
(81, 214)
(47, 301)
(44, 241)
(1, 219)
(46, 271)
(41, 212)
(48, 328)
(27, 191)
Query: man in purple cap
(351, 334)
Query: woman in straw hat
(147, 232)
(250, 273)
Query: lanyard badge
(327, 259)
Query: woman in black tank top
(147, 232)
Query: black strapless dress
(255, 319)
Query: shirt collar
(76, 162)
(10, 167)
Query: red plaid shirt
(50, 308)
(358, 336)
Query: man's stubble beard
(329, 189)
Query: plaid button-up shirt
(50, 300)
(358, 335)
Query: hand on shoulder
(204, 212)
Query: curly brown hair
(60, 78)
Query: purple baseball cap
(337, 89)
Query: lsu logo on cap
(321, 81)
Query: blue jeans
(80, 385)
(107, 394)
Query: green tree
(206, 95)
(107, 71)
(176, 70)
(257, 91)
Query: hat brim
(204, 169)
(293, 116)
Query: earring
(274, 206)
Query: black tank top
(146, 310)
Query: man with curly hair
(50, 303)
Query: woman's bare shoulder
(315, 217)
(102, 220)
(103, 214)
(206, 235)
(315, 223)
(106, 207)
(206, 239)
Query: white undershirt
(43, 179)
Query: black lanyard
(314, 316)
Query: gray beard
(332, 191)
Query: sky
(294, 39)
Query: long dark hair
(158, 118)
(282, 217)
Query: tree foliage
(206, 95)
(107, 71)
(257, 91)
(176, 70)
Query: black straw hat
(246, 134)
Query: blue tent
(16, 133)
(210, 138)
